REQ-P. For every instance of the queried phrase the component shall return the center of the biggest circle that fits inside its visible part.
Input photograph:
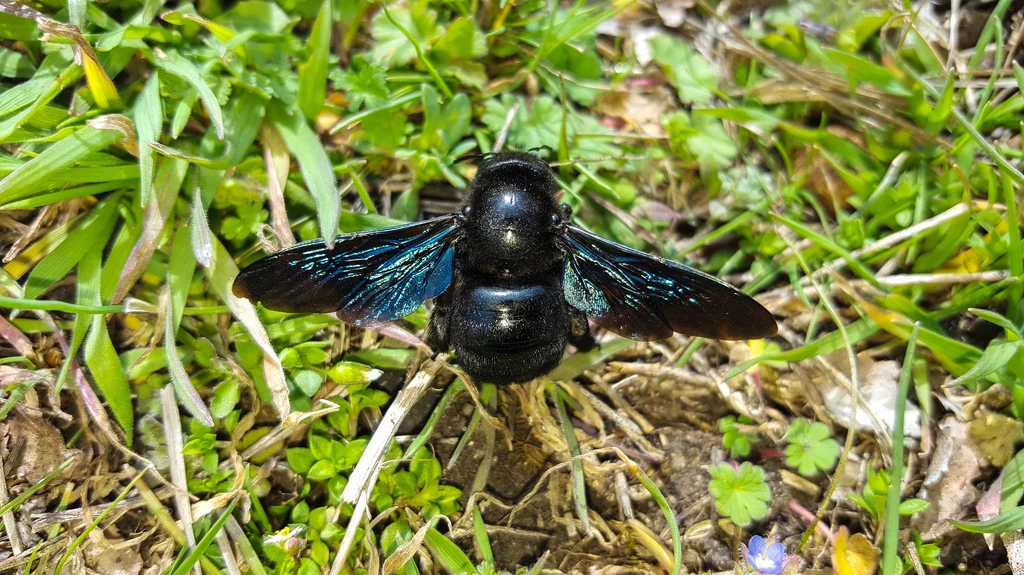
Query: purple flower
(765, 556)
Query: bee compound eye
(566, 211)
(466, 210)
(556, 219)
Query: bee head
(511, 201)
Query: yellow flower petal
(853, 555)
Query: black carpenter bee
(513, 281)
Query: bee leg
(579, 331)
(438, 333)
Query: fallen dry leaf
(948, 484)
(878, 383)
(42, 449)
(640, 110)
(113, 561)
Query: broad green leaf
(300, 459)
(15, 64)
(864, 70)
(315, 167)
(225, 397)
(912, 506)
(687, 70)
(944, 106)
(313, 75)
(462, 39)
(1013, 482)
(15, 28)
(866, 26)
(91, 234)
(257, 16)
(391, 47)
(366, 87)
(24, 93)
(385, 129)
(995, 356)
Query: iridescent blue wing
(369, 278)
(644, 297)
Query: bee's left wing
(369, 278)
(644, 297)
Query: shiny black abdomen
(507, 331)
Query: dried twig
(176, 464)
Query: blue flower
(765, 557)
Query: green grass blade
(832, 247)
(101, 357)
(29, 178)
(89, 284)
(315, 167)
(179, 271)
(891, 559)
(670, 516)
(203, 544)
(313, 75)
(222, 274)
(1015, 254)
(22, 498)
(858, 331)
(99, 519)
(90, 235)
(1006, 522)
(454, 389)
(149, 122)
(181, 67)
(54, 305)
(579, 483)
(391, 104)
(480, 529)
(577, 363)
(27, 92)
(449, 554)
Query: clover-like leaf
(811, 447)
(366, 86)
(740, 494)
(737, 442)
(687, 70)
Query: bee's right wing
(368, 278)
